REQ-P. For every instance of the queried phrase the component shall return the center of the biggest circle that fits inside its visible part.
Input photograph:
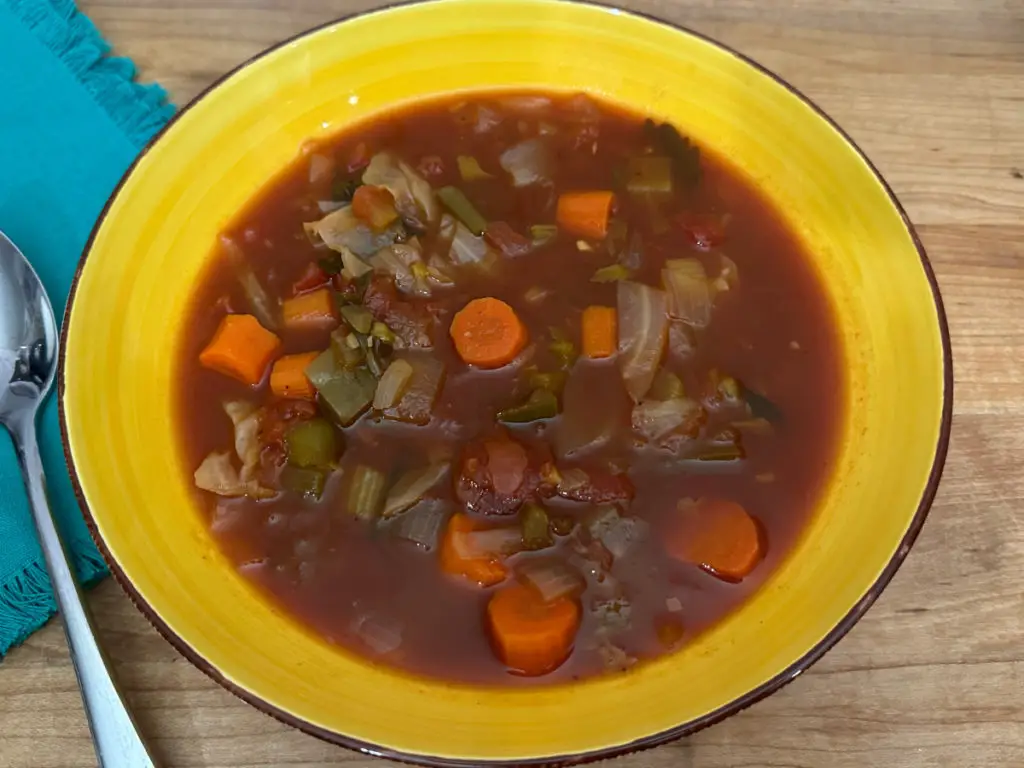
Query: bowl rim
(753, 696)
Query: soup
(509, 388)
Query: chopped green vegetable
(542, 404)
(551, 380)
(666, 386)
(562, 348)
(455, 201)
(331, 264)
(303, 480)
(612, 273)
(470, 169)
(346, 394)
(311, 444)
(685, 156)
(347, 351)
(543, 233)
(343, 189)
(366, 492)
(382, 332)
(358, 317)
(534, 522)
(649, 174)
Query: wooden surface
(933, 90)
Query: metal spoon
(28, 359)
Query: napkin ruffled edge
(139, 111)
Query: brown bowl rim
(558, 761)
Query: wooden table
(933, 90)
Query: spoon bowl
(28, 361)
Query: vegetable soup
(509, 388)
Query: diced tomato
(507, 240)
(431, 166)
(705, 230)
(314, 277)
(360, 158)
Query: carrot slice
(530, 635)
(599, 331)
(485, 571)
(241, 348)
(288, 376)
(585, 213)
(315, 309)
(375, 206)
(717, 535)
(488, 333)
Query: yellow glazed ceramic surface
(123, 327)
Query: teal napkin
(72, 119)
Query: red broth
(760, 387)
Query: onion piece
(656, 419)
(552, 578)
(529, 162)
(329, 206)
(525, 104)
(689, 296)
(643, 328)
(321, 167)
(728, 276)
(417, 404)
(392, 384)
(422, 524)
(467, 248)
(381, 634)
(400, 261)
(673, 604)
(489, 542)
(411, 486)
(218, 475)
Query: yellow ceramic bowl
(124, 323)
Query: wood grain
(933, 677)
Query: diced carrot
(717, 535)
(374, 205)
(532, 636)
(288, 376)
(315, 309)
(488, 333)
(599, 331)
(585, 213)
(485, 571)
(241, 348)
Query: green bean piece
(534, 521)
(303, 480)
(550, 380)
(542, 404)
(456, 201)
(311, 444)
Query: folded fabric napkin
(71, 121)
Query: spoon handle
(114, 732)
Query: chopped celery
(535, 524)
(303, 480)
(649, 174)
(366, 492)
(311, 444)
(542, 404)
(611, 274)
(455, 201)
(551, 380)
(346, 394)
(470, 169)
(382, 332)
(666, 386)
(358, 317)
